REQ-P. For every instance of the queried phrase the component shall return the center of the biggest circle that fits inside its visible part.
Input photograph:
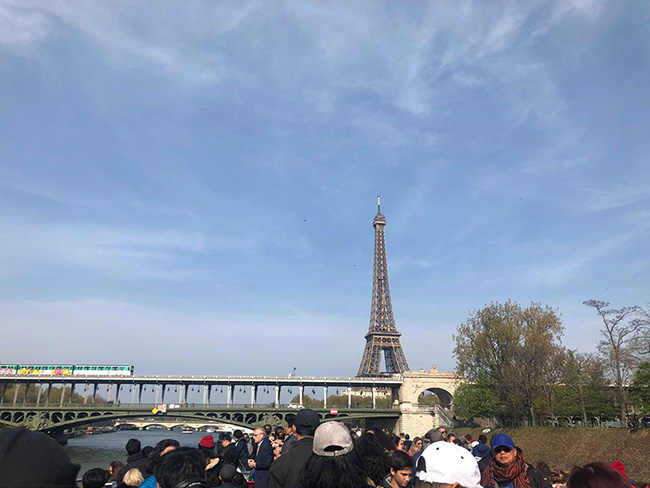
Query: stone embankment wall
(563, 448)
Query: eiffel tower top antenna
(382, 335)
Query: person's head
(416, 445)
(277, 447)
(434, 435)
(227, 473)
(468, 437)
(451, 437)
(34, 459)
(558, 477)
(279, 432)
(374, 458)
(306, 423)
(133, 447)
(482, 439)
(225, 439)
(268, 428)
(237, 434)
(398, 443)
(146, 451)
(443, 431)
(259, 434)
(401, 468)
(162, 448)
(182, 465)
(446, 465)
(334, 463)
(94, 478)
(544, 470)
(133, 477)
(596, 475)
(115, 467)
(290, 428)
(503, 449)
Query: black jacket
(286, 471)
(137, 461)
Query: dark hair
(237, 434)
(225, 436)
(181, 465)
(333, 472)
(400, 460)
(290, 419)
(306, 430)
(596, 475)
(279, 432)
(544, 470)
(155, 457)
(433, 435)
(396, 441)
(482, 439)
(375, 460)
(268, 429)
(146, 451)
(384, 440)
(133, 447)
(94, 478)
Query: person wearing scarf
(507, 468)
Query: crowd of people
(307, 453)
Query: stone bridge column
(301, 392)
(95, 385)
(38, 394)
(229, 392)
(349, 397)
(16, 389)
(374, 397)
(205, 395)
(253, 395)
(277, 396)
(62, 394)
(325, 396)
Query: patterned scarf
(497, 473)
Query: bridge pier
(4, 391)
(229, 390)
(325, 396)
(94, 392)
(38, 394)
(62, 394)
(374, 397)
(349, 397)
(253, 395)
(16, 389)
(301, 392)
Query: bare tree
(621, 330)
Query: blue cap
(502, 440)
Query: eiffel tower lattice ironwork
(382, 334)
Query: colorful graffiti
(53, 372)
(7, 371)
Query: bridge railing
(177, 406)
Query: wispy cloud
(565, 269)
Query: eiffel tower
(382, 334)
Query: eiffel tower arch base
(417, 419)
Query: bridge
(402, 412)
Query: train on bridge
(88, 370)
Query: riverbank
(563, 447)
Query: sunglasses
(499, 449)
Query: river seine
(98, 450)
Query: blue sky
(189, 187)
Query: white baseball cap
(445, 462)
(332, 439)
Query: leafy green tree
(475, 400)
(513, 347)
(640, 388)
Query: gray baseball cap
(332, 439)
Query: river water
(99, 450)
